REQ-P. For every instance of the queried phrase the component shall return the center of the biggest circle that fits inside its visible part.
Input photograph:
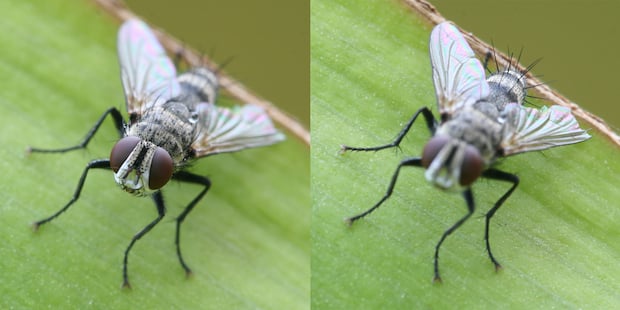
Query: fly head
(140, 167)
(450, 163)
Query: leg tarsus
(431, 124)
(487, 57)
(469, 199)
(416, 162)
(500, 176)
(178, 57)
(161, 212)
(498, 267)
(437, 279)
(95, 164)
(119, 124)
(185, 176)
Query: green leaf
(247, 241)
(557, 236)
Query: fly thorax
(172, 126)
(198, 85)
(489, 109)
(451, 164)
(506, 87)
(140, 167)
(477, 129)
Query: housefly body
(172, 120)
(481, 119)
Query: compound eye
(432, 148)
(121, 151)
(472, 166)
(161, 169)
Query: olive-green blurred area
(267, 42)
(577, 41)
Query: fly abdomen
(507, 86)
(198, 84)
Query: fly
(481, 119)
(172, 120)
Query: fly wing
(530, 129)
(230, 130)
(458, 75)
(147, 74)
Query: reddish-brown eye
(161, 169)
(472, 166)
(432, 147)
(121, 151)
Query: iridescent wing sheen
(458, 75)
(147, 74)
(529, 129)
(230, 130)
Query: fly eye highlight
(161, 169)
(121, 151)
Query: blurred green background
(266, 41)
(577, 41)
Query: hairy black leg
(500, 176)
(416, 162)
(431, 124)
(487, 57)
(469, 199)
(185, 176)
(161, 212)
(178, 57)
(118, 124)
(95, 164)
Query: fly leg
(431, 124)
(469, 199)
(95, 164)
(185, 176)
(161, 212)
(487, 57)
(500, 176)
(119, 124)
(178, 57)
(416, 162)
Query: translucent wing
(147, 74)
(458, 75)
(230, 130)
(530, 129)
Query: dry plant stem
(430, 13)
(118, 9)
